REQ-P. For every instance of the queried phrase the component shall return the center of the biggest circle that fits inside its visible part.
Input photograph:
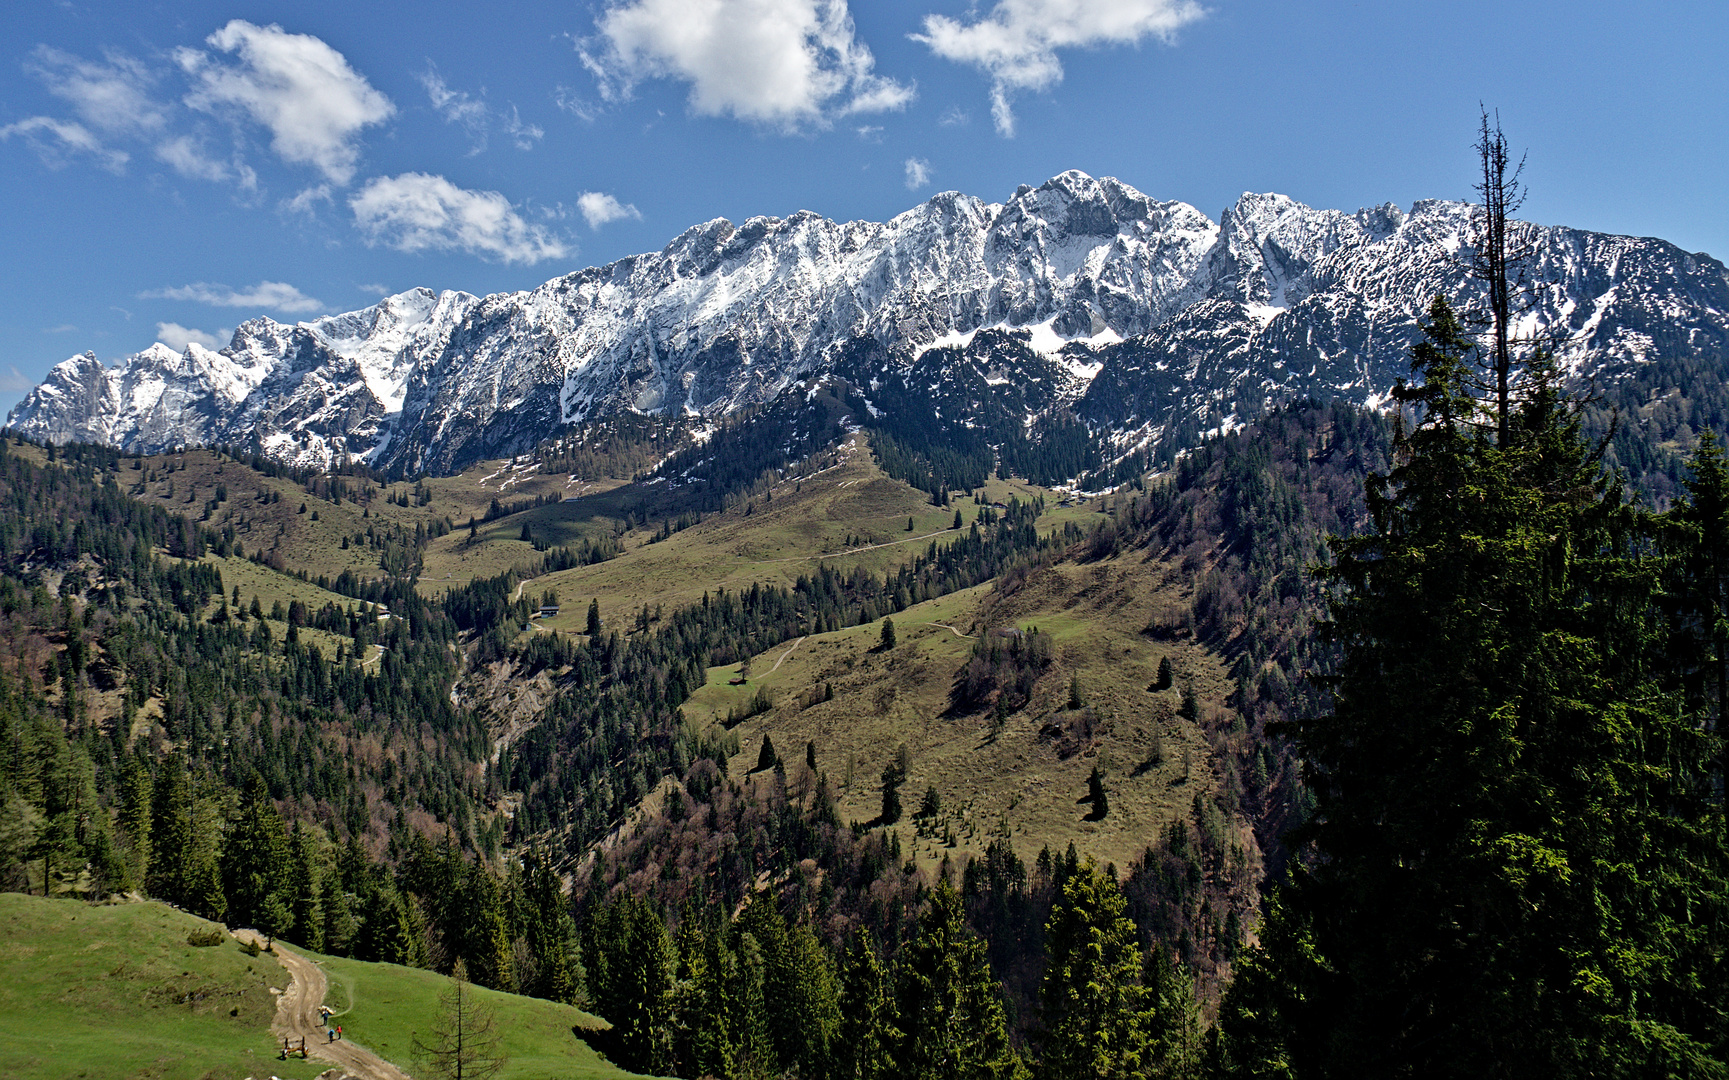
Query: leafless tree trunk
(465, 1037)
(1495, 256)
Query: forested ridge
(1475, 719)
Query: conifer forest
(1425, 775)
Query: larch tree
(464, 1042)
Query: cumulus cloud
(314, 104)
(784, 63)
(417, 212)
(599, 208)
(271, 295)
(56, 141)
(1016, 43)
(177, 337)
(918, 173)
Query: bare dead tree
(1498, 251)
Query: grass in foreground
(116, 991)
(107, 991)
(382, 1006)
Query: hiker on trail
(339, 1031)
(330, 1035)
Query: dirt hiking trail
(297, 1017)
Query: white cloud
(63, 328)
(303, 200)
(417, 212)
(177, 337)
(918, 173)
(599, 208)
(56, 140)
(457, 107)
(271, 295)
(473, 116)
(1016, 43)
(522, 133)
(574, 104)
(954, 116)
(304, 91)
(112, 97)
(188, 157)
(785, 63)
(374, 289)
(869, 132)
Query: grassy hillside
(382, 1006)
(848, 516)
(1026, 780)
(116, 991)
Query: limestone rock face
(1083, 292)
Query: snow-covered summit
(1275, 297)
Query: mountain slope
(1181, 323)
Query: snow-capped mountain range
(1151, 308)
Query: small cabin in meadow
(547, 611)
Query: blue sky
(172, 169)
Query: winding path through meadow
(297, 1017)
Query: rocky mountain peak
(1180, 314)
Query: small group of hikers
(331, 1034)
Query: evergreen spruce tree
(335, 917)
(549, 932)
(891, 781)
(485, 937)
(1095, 1013)
(704, 1042)
(804, 997)
(1698, 590)
(949, 1006)
(630, 964)
(298, 884)
(1512, 865)
(170, 833)
(867, 1033)
(134, 820)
